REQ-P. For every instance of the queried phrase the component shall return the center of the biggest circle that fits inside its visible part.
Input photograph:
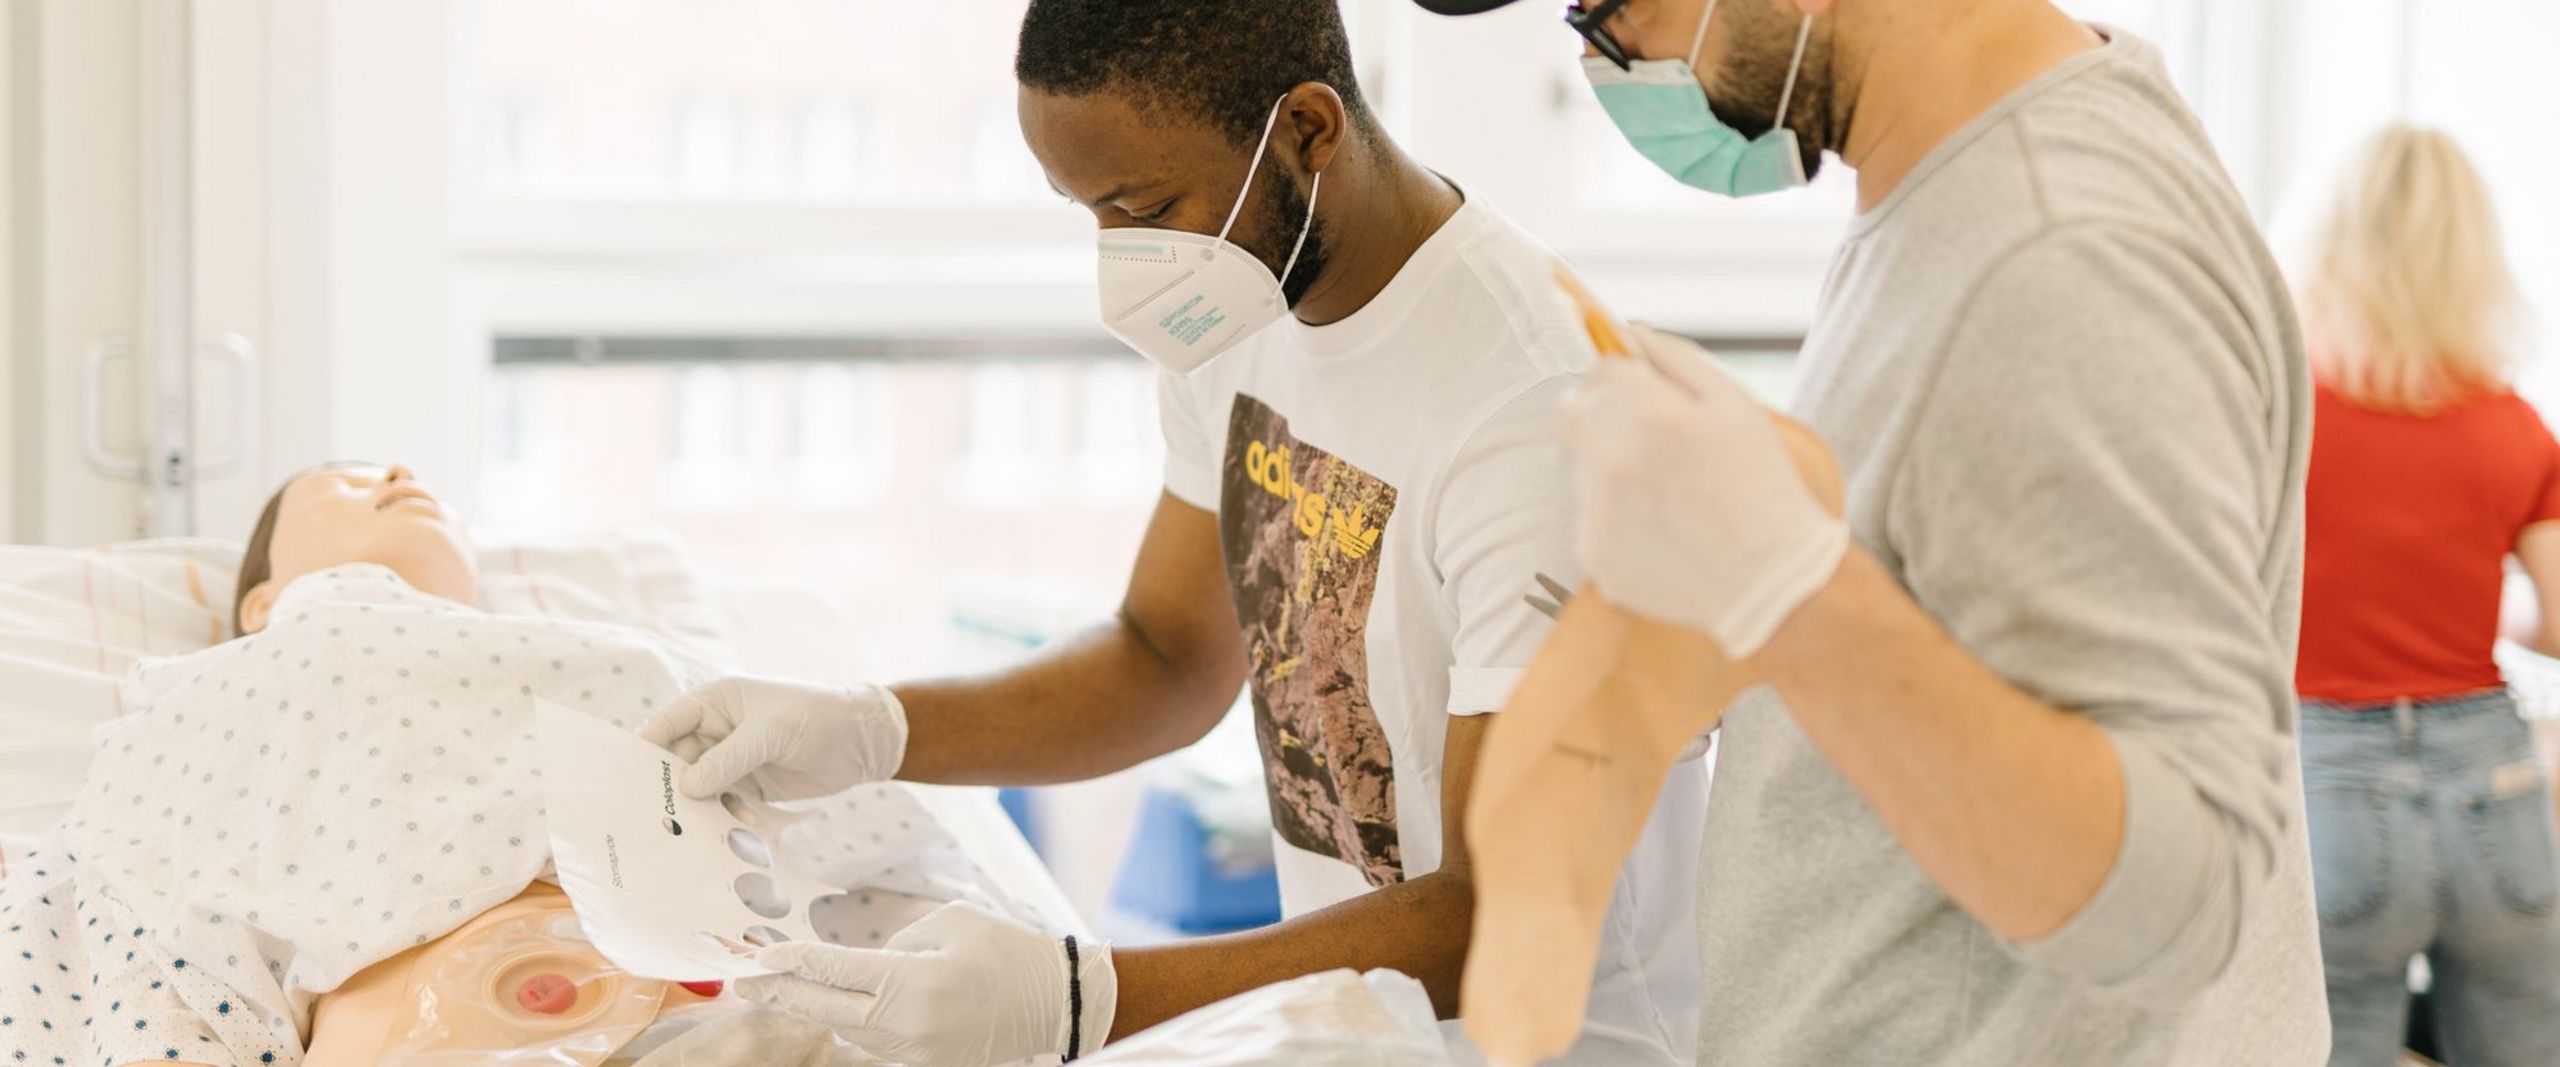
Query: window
(1009, 455)
(938, 499)
(1001, 169)
(2468, 69)
(1750, 269)
(747, 101)
(844, 433)
(1613, 177)
(749, 284)
(711, 152)
(1118, 443)
(834, 160)
(752, 285)
(707, 454)
(520, 140)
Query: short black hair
(1227, 61)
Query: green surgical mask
(1660, 107)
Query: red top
(2410, 522)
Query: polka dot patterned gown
(277, 813)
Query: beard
(1744, 93)
(1280, 222)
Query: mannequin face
(357, 513)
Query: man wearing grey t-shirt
(2023, 788)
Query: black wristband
(1075, 1004)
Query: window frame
(1449, 89)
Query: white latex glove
(1691, 510)
(789, 740)
(758, 1037)
(960, 988)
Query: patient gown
(277, 813)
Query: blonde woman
(2431, 821)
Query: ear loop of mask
(1314, 190)
(1795, 66)
(1699, 42)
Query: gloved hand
(758, 1037)
(790, 740)
(960, 988)
(1692, 511)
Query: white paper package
(663, 882)
(1334, 1019)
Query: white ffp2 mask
(1181, 298)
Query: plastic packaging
(518, 985)
(668, 885)
(1333, 1019)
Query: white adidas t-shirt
(1388, 488)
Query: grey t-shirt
(2068, 391)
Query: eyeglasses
(1593, 24)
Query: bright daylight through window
(997, 494)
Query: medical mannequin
(341, 513)
(518, 979)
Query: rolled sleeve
(2097, 504)
(1477, 690)
(2163, 924)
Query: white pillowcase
(639, 579)
(73, 621)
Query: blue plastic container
(1168, 878)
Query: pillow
(73, 621)
(637, 579)
(71, 624)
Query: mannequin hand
(758, 1037)
(960, 988)
(789, 740)
(1695, 506)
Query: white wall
(367, 354)
(2482, 69)
(318, 233)
(232, 214)
(11, 420)
(405, 389)
(2340, 64)
(371, 312)
(75, 234)
(2477, 68)
(76, 165)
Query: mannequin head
(341, 513)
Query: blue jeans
(2431, 834)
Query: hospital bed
(74, 621)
